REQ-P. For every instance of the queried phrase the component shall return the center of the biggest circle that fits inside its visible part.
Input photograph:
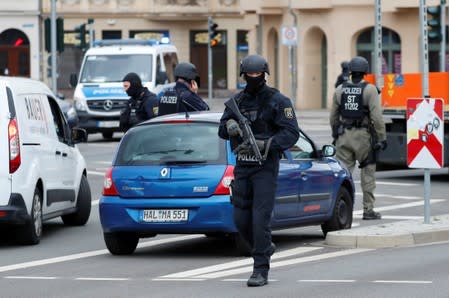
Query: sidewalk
(396, 234)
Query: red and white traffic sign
(425, 133)
(289, 35)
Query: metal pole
(443, 36)
(54, 67)
(425, 93)
(293, 55)
(378, 47)
(209, 58)
(91, 33)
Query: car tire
(83, 206)
(31, 232)
(121, 243)
(342, 213)
(108, 134)
(241, 247)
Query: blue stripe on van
(96, 92)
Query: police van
(99, 95)
(42, 173)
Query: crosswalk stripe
(239, 263)
(400, 206)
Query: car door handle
(303, 175)
(64, 154)
(58, 152)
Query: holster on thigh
(241, 196)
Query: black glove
(245, 148)
(382, 145)
(233, 128)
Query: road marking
(395, 217)
(392, 196)
(178, 279)
(91, 254)
(103, 278)
(239, 263)
(89, 172)
(403, 281)
(288, 262)
(328, 280)
(400, 206)
(391, 183)
(30, 277)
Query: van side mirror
(73, 80)
(79, 135)
(161, 77)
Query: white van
(99, 95)
(42, 173)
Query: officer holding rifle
(261, 123)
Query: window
(59, 121)
(303, 148)
(172, 143)
(391, 49)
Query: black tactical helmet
(254, 63)
(358, 64)
(186, 70)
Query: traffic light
(434, 23)
(213, 34)
(59, 34)
(81, 36)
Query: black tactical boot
(257, 279)
(367, 215)
(272, 249)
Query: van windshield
(112, 68)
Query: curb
(396, 234)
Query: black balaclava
(254, 84)
(135, 84)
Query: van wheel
(121, 243)
(342, 214)
(83, 206)
(108, 134)
(31, 233)
(241, 247)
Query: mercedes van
(42, 173)
(99, 95)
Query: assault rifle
(375, 148)
(247, 134)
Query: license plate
(165, 215)
(108, 124)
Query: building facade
(326, 33)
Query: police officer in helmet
(274, 125)
(356, 114)
(142, 104)
(184, 96)
(344, 75)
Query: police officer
(184, 96)
(356, 110)
(344, 76)
(142, 104)
(274, 125)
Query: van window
(12, 108)
(112, 68)
(170, 62)
(58, 118)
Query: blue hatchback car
(171, 175)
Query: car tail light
(14, 146)
(108, 184)
(225, 182)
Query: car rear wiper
(175, 162)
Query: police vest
(351, 105)
(169, 102)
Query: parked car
(69, 111)
(171, 175)
(42, 173)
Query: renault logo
(164, 173)
(107, 105)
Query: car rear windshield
(172, 143)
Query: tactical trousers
(354, 145)
(253, 194)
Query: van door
(6, 108)
(63, 193)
